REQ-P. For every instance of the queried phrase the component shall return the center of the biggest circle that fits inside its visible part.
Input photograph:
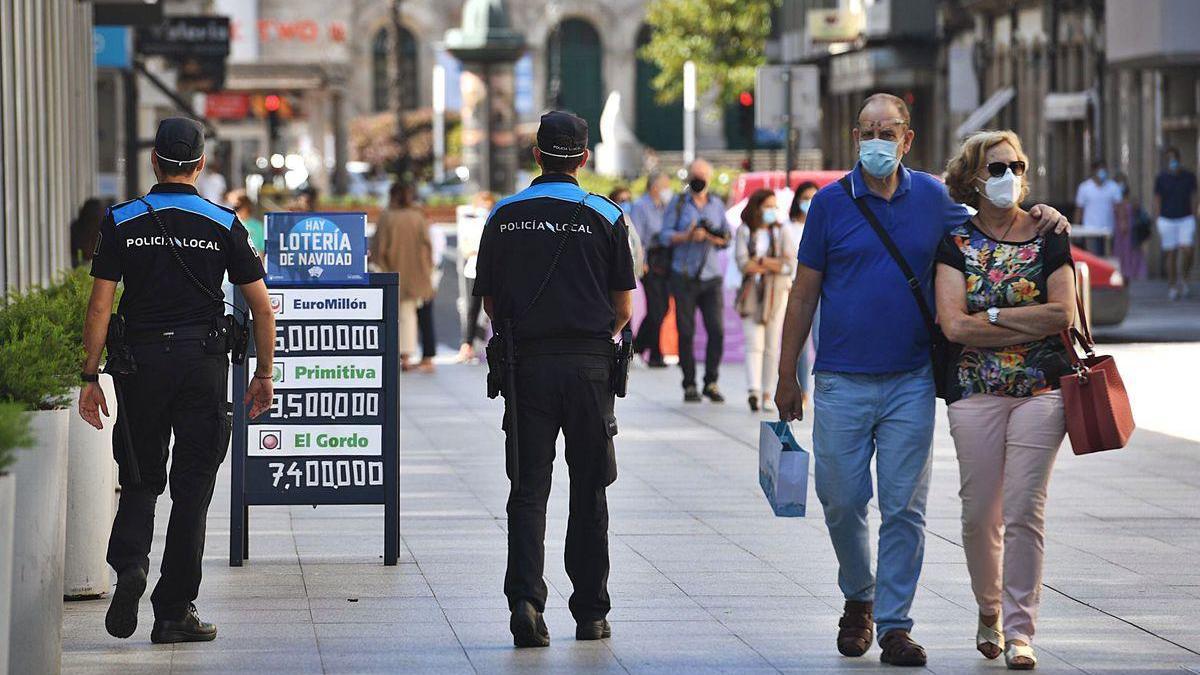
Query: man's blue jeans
(891, 417)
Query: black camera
(710, 227)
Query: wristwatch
(993, 315)
(89, 377)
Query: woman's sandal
(1019, 657)
(987, 635)
(856, 629)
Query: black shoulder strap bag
(943, 353)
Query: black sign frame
(245, 470)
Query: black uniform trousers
(709, 297)
(654, 285)
(177, 388)
(571, 393)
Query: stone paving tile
(704, 579)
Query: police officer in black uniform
(171, 249)
(556, 274)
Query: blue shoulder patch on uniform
(164, 201)
(604, 206)
(568, 192)
(127, 211)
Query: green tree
(725, 38)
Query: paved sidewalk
(704, 578)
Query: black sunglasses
(996, 169)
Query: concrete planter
(39, 539)
(7, 499)
(89, 503)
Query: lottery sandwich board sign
(331, 435)
(316, 248)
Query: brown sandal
(856, 629)
(900, 650)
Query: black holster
(622, 358)
(502, 380)
(120, 364)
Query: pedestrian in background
(307, 199)
(243, 206)
(1096, 202)
(85, 230)
(482, 204)
(1132, 228)
(425, 324)
(1004, 292)
(797, 214)
(401, 244)
(874, 395)
(694, 227)
(1175, 213)
(648, 212)
(212, 185)
(622, 196)
(766, 256)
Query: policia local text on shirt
(556, 276)
(171, 249)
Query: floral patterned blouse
(1007, 274)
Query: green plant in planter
(14, 433)
(40, 348)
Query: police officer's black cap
(562, 134)
(179, 141)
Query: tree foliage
(725, 39)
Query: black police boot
(121, 620)
(188, 629)
(714, 394)
(690, 395)
(528, 626)
(593, 630)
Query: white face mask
(1004, 191)
(664, 195)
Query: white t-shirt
(211, 186)
(1097, 201)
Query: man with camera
(167, 351)
(556, 277)
(694, 227)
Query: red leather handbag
(1096, 404)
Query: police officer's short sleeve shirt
(518, 245)
(210, 239)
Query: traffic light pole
(789, 140)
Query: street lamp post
(403, 168)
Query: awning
(268, 76)
(1066, 106)
(984, 113)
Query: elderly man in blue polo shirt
(694, 227)
(874, 385)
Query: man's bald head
(882, 106)
(700, 168)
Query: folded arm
(1054, 315)
(972, 330)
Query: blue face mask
(1102, 175)
(770, 217)
(879, 157)
(803, 205)
(1173, 165)
(625, 205)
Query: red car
(1109, 300)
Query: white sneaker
(1173, 293)
(768, 404)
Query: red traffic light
(272, 103)
(745, 99)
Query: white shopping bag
(782, 469)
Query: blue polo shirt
(869, 320)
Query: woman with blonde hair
(1004, 292)
(766, 255)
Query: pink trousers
(1006, 448)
